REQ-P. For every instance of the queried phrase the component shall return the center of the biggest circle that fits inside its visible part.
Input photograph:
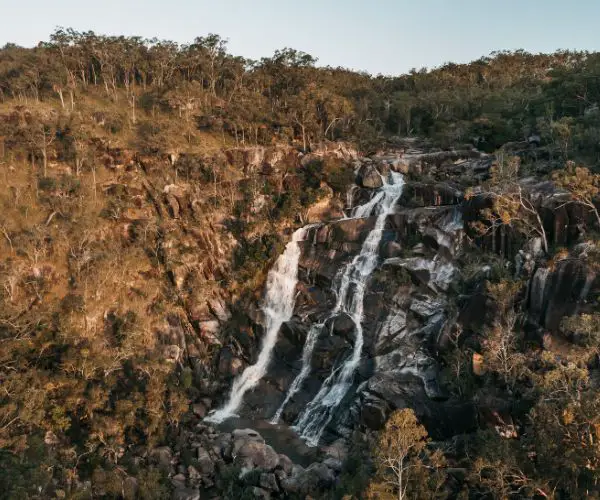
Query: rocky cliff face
(424, 285)
(411, 302)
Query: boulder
(199, 409)
(285, 464)
(163, 457)
(316, 478)
(229, 365)
(260, 493)
(342, 325)
(256, 455)
(186, 494)
(369, 177)
(205, 463)
(268, 481)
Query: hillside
(147, 191)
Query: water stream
(278, 307)
(350, 291)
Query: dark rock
(343, 326)
(317, 477)
(173, 206)
(178, 481)
(193, 475)
(205, 463)
(285, 464)
(260, 493)
(163, 457)
(334, 464)
(268, 481)
(186, 494)
(229, 365)
(130, 488)
(199, 409)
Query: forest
(111, 283)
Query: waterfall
(309, 346)
(278, 307)
(354, 276)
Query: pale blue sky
(379, 36)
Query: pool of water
(281, 437)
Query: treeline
(505, 97)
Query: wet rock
(391, 249)
(342, 325)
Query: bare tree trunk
(133, 108)
(62, 99)
(303, 138)
(45, 160)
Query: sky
(379, 36)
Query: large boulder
(251, 452)
(369, 177)
(316, 478)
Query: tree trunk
(45, 160)
(303, 138)
(133, 108)
(62, 99)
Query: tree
(501, 343)
(582, 185)
(405, 464)
(512, 205)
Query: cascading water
(354, 276)
(278, 307)
(309, 346)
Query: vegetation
(130, 205)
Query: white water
(309, 346)
(278, 307)
(320, 410)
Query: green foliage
(252, 257)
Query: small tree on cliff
(582, 185)
(405, 466)
(511, 204)
(501, 343)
